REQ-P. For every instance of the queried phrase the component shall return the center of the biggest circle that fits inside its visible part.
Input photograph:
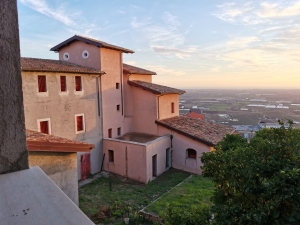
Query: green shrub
(193, 215)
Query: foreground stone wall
(61, 168)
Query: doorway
(168, 158)
(154, 166)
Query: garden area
(128, 197)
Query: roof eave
(62, 71)
(58, 47)
(41, 146)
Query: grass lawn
(194, 190)
(96, 198)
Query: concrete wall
(75, 50)
(61, 168)
(13, 150)
(135, 165)
(157, 147)
(134, 160)
(61, 108)
(111, 63)
(179, 154)
(165, 106)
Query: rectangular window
(79, 123)
(118, 107)
(44, 125)
(119, 131)
(63, 84)
(172, 107)
(42, 83)
(117, 85)
(110, 133)
(111, 157)
(78, 85)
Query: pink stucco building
(90, 95)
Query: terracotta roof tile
(195, 115)
(206, 132)
(155, 88)
(50, 65)
(98, 43)
(136, 70)
(46, 142)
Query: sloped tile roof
(195, 115)
(50, 65)
(95, 42)
(136, 70)
(155, 88)
(38, 141)
(203, 131)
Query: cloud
(41, 6)
(271, 10)
(215, 70)
(232, 13)
(242, 42)
(74, 21)
(164, 37)
(162, 70)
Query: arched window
(191, 153)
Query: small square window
(63, 84)
(42, 83)
(78, 84)
(118, 107)
(80, 123)
(44, 126)
(111, 157)
(119, 131)
(172, 107)
(117, 85)
(110, 133)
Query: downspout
(101, 114)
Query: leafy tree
(259, 182)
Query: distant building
(196, 115)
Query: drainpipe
(171, 152)
(101, 113)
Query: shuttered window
(172, 107)
(79, 123)
(78, 85)
(119, 131)
(44, 127)
(110, 133)
(42, 83)
(63, 83)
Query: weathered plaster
(61, 168)
(61, 109)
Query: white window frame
(83, 123)
(43, 120)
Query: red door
(85, 165)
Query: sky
(189, 44)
